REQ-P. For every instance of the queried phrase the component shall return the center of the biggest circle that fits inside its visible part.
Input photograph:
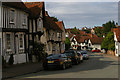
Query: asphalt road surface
(98, 66)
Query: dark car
(73, 56)
(85, 55)
(57, 61)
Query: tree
(87, 31)
(67, 43)
(108, 42)
(99, 32)
(108, 26)
(75, 31)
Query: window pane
(24, 18)
(21, 41)
(12, 15)
(8, 40)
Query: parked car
(73, 56)
(57, 61)
(85, 55)
(81, 56)
(96, 50)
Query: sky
(77, 13)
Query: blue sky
(77, 13)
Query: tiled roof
(33, 4)
(60, 24)
(70, 36)
(81, 39)
(117, 32)
(17, 5)
(96, 40)
(35, 8)
(50, 24)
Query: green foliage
(108, 42)
(67, 44)
(99, 32)
(75, 31)
(11, 59)
(108, 26)
(87, 31)
(39, 51)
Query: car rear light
(57, 60)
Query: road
(97, 66)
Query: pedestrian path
(21, 69)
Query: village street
(98, 66)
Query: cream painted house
(52, 36)
(14, 27)
(95, 43)
(117, 40)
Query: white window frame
(11, 9)
(6, 42)
(24, 19)
(40, 24)
(20, 42)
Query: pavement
(21, 69)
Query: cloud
(73, 0)
(82, 14)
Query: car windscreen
(56, 56)
(69, 54)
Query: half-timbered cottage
(36, 23)
(14, 16)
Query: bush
(39, 51)
(11, 59)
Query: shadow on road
(94, 63)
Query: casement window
(40, 24)
(12, 16)
(21, 41)
(8, 42)
(24, 19)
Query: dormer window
(12, 16)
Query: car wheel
(45, 68)
(63, 66)
(82, 61)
